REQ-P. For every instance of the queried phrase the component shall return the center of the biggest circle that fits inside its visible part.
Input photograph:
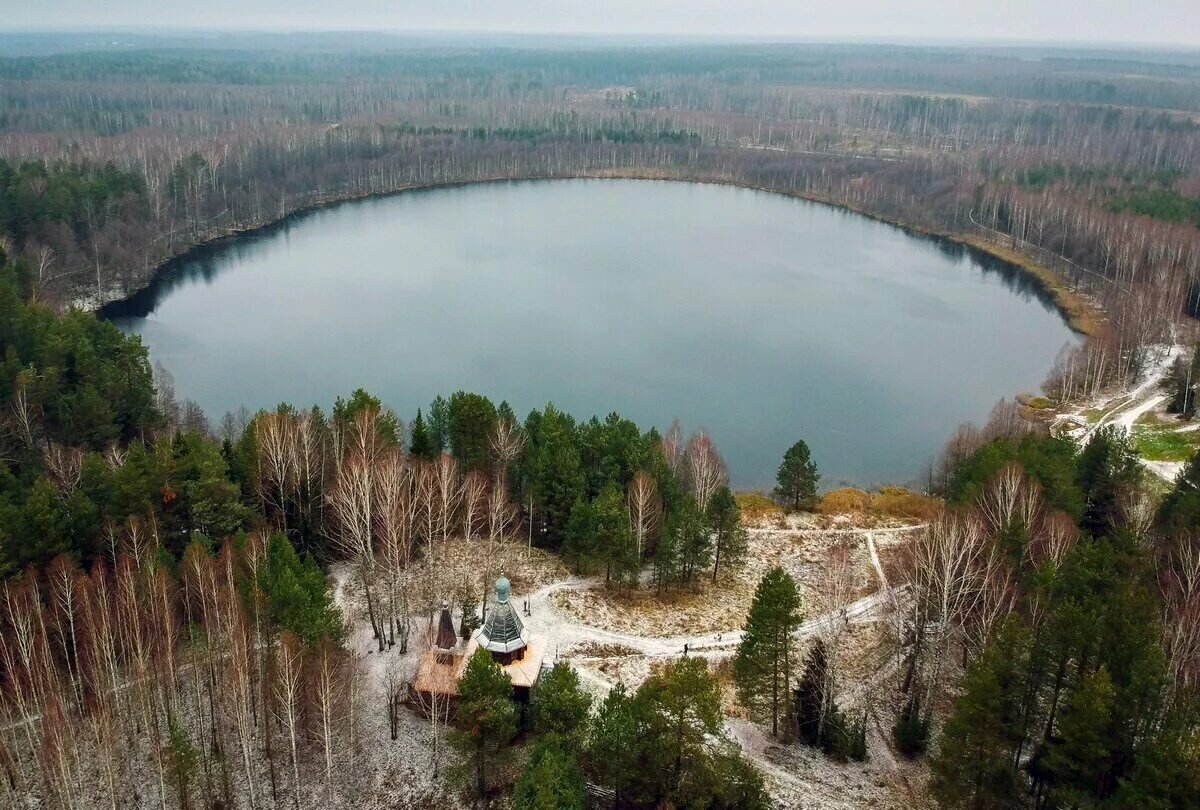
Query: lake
(761, 318)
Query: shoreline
(1080, 315)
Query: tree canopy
(797, 478)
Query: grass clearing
(1160, 443)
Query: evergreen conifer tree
(729, 535)
(420, 443)
(762, 667)
(551, 779)
(796, 480)
(487, 716)
(560, 706)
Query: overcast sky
(1174, 22)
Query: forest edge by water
(1081, 314)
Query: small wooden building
(519, 653)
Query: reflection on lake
(759, 317)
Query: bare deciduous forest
(1086, 164)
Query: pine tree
(1077, 759)
(858, 739)
(691, 539)
(1108, 470)
(666, 560)
(559, 705)
(297, 595)
(470, 616)
(818, 721)
(796, 481)
(762, 667)
(551, 779)
(680, 709)
(974, 763)
(730, 541)
(555, 472)
(470, 419)
(911, 730)
(579, 540)
(1180, 509)
(487, 715)
(614, 540)
(612, 746)
(183, 758)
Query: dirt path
(567, 631)
(875, 563)
(1124, 410)
(570, 635)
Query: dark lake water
(758, 317)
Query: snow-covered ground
(609, 639)
(1124, 408)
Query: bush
(911, 731)
(858, 740)
(755, 505)
(901, 502)
(842, 501)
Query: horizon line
(745, 37)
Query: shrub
(858, 739)
(754, 505)
(902, 502)
(842, 501)
(911, 731)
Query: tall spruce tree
(1108, 470)
(554, 470)
(579, 541)
(811, 699)
(975, 763)
(420, 443)
(762, 668)
(439, 424)
(1078, 759)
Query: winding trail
(567, 631)
(1124, 410)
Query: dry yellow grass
(756, 506)
(843, 501)
(904, 503)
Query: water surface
(761, 318)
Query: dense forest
(173, 614)
(165, 605)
